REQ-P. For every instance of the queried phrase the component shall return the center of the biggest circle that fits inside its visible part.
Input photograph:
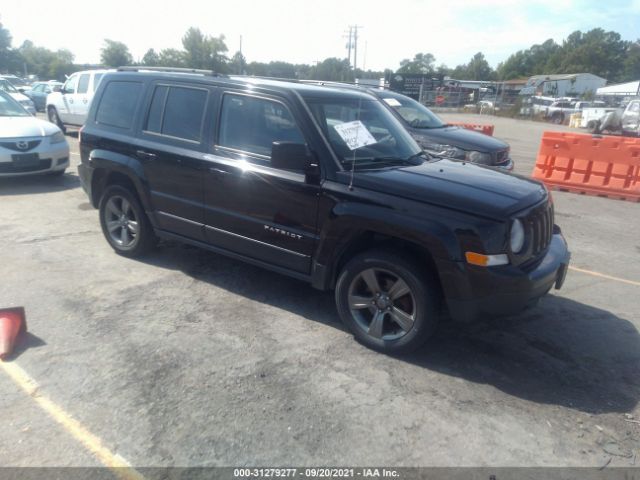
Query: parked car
(631, 119)
(434, 135)
(7, 87)
(17, 82)
(29, 145)
(39, 91)
(70, 105)
(322, 184)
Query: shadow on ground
(561, 352)
(35, 184)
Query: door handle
(84, 100)
(145, 155)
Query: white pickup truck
(613, 120)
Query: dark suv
(323, 184)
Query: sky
(304, 31)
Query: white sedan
(28, 145)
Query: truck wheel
(124, 223)
(388, 303)
(52, 114)
(558, 119)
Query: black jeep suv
(323, 184)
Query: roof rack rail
(264, 77)
(170, 70)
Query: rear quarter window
(118, 104)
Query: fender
(115, 162)
(350, 220)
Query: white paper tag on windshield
(355, 134)
(392, 102)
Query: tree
(596, 51)
(203, 51)
(238, 63)
(44, 62)
(151, 58)
(115, 54)
(170, 57)
(332, 69)
(632, 62)
(9, 58)
(477, 69)
(421, 63)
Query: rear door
(172, 150)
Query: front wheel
(387, 302)
(124, 222)
(54, 118)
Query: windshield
(365, 132)
(10, 108)
(414, 113)
(6, 86)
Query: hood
(462, 186)
(16, 127)
(458, 137)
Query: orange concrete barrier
(590, 164)
(478, 127)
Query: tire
(558, 119)
(52, 114)
(131, 233)
(416, 304)
(593, 126)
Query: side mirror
(290, 156)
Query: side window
(39, 88)
(83, 83)
(252, 124)
(118, 104)
(70, 85)
(177, 112)
(634, 107)
(96, 80)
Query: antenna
(353, 162)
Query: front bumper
(472, 292)
(51, 158)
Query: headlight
(478, 157)
(57, 137)
(517, 236)
(443, 150)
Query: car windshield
(6, 86)
(414, 113)
(364, 132)
(10, 108)
(16, 82)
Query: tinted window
(96, 80)
(83, 83)
(38, 88)
(253, 124)
(183, 112)
(154, 117)
(118, 104)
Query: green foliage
(238, 63)
(632, 62)
(421, 63)
(151, 58)
(204, 51)
(115, 54)
(477, 69)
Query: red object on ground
(13, 324)
(478, 127)
(590, 164)
(440, 99)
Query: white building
(629, 89)
(565, 85)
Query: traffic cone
(13, 324)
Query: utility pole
(355, 45)
(349, 42)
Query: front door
(65, 109)
(250, 207)
(80, 106)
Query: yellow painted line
(118, 465)
(602, 275)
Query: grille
(17, 168)
(31, 144)
(540, 225)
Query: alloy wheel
(121, 222)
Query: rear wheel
(54, 118)
(593, 126)
(387, 302)
(124, 222)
